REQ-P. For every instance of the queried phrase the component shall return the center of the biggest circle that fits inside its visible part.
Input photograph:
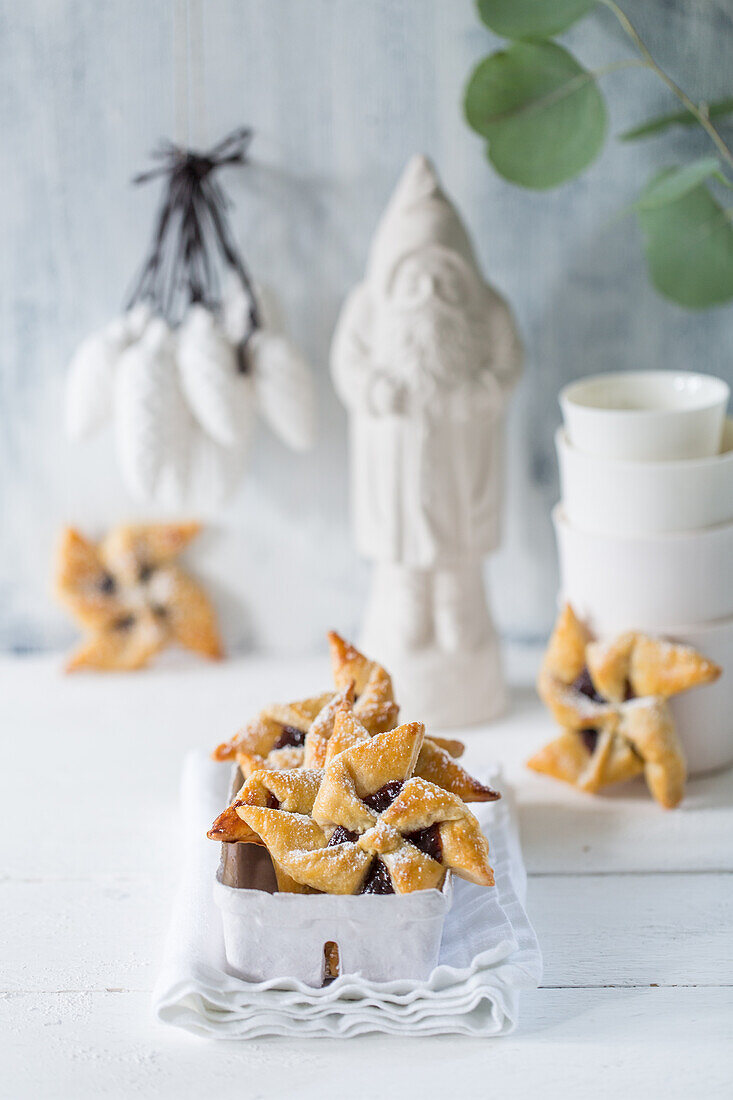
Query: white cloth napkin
(488, 954)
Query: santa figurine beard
(425, 341)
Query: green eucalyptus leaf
(532, 18)
(689, 247)
(677, 118)
(673, 183)
(542, 113)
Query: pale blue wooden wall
(340, 92)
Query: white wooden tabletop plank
(88, 862)
(595, 931)
(634, 929)
(112, 746)
(571, 1043)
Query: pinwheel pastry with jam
(277, 737)
(299, 734)
(610, 700)
(365, 825)
(131, 596)
(295, 790)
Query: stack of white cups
(645, 526)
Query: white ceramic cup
(646, 416)
(623, 497)
(650, 582)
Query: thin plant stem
(695, 109)
(615, 66)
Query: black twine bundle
(191, 228)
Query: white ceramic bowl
(621, 497)
(648, 582)
(646, 415)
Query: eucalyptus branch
(616, 66)
(699, 111)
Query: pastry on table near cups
(610, 700)
(131, 596)
(373, 826)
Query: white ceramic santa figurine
(424, 356)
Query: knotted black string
(191, 228)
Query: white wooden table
(633, 908)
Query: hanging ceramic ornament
(152, 421)
(90, 383)
(284, 388)
(283, 381)
(183, 372)
(219, 394)
(215, 472)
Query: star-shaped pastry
(292, 791)
(434, 762)
(368, 686)
(374, 827)
(293, 735)
(131, 596)
(276, 738)
(610, 700)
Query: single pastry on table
(364, 825)
(307, 733)
(132, 598)
(610, 700)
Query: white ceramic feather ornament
(215, 471)
(90, 380)
(219, 395)
(283, 381)
(184, 404)
(152, 421)
(283, 385)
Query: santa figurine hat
(418, 214)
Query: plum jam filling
(125, 623)
(291, 737)
(584, 684)
(341, 835)
(590, 739)
(384, 797)
(272, 803)
(586, 687)
(145, 572)
(428, 841)
(378, 880)
(107, 584)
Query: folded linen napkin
(489, 951)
